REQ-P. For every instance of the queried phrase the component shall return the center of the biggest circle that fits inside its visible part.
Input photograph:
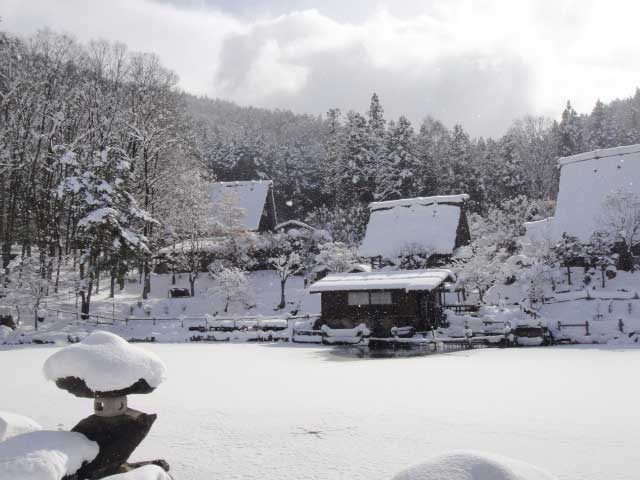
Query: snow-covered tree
(621, 219)
(569, 250)
(336, 256)
(414, 256)
(570, 132)
(599, 251)
(30, 283)
(477, 273)
(286, 260)
(396, 171)
(233, 286)
(346, 225)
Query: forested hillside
(103, 160)
(347, 159)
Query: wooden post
(586, 326)
(559, 325)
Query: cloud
(481, 63)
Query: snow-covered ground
(58, 325)
(264, 411)
(265, 286)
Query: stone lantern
(106, 368)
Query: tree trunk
(35, 323)
(146, 289)
(569, 275)
(192, 284)
(84, 304)
(283, 302)
(57, 282)
(112, 286)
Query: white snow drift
(148, 472)
(105, 362)
(44, 455)
(473, 466)
(12, 424)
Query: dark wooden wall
(404, 311)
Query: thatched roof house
(585, 182)
(254, 197)
(437, 225)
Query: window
(373, 298)
(381, 298)
(358, 298)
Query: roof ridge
(599, 153)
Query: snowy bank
(473, 466)
(148, 472)
(45, 455)
(106, 362)
(12, 424)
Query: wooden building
(383, 299)
(428, 227)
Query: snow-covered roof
(586, 180)
(539, 230)
(106, 362)
(408, 280)
(428, 223)
(251, 196)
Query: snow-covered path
(247, 411)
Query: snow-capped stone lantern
(107, 368)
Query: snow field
(282, 411)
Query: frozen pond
(247, 411)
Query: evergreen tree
(396, 172)
(569, 250)
(376, 117)
(570, 133)
(460, 173)
(601, 128)
(432, 147)
(356, 168)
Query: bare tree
(620, 218)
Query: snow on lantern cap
(104, 365)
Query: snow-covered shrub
(335, 257)
(620, 219)
(233, 286)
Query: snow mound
(12, 424)
(148, 472)
(105, 362)
(45, 455)
(473, 466)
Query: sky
(480, 63)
